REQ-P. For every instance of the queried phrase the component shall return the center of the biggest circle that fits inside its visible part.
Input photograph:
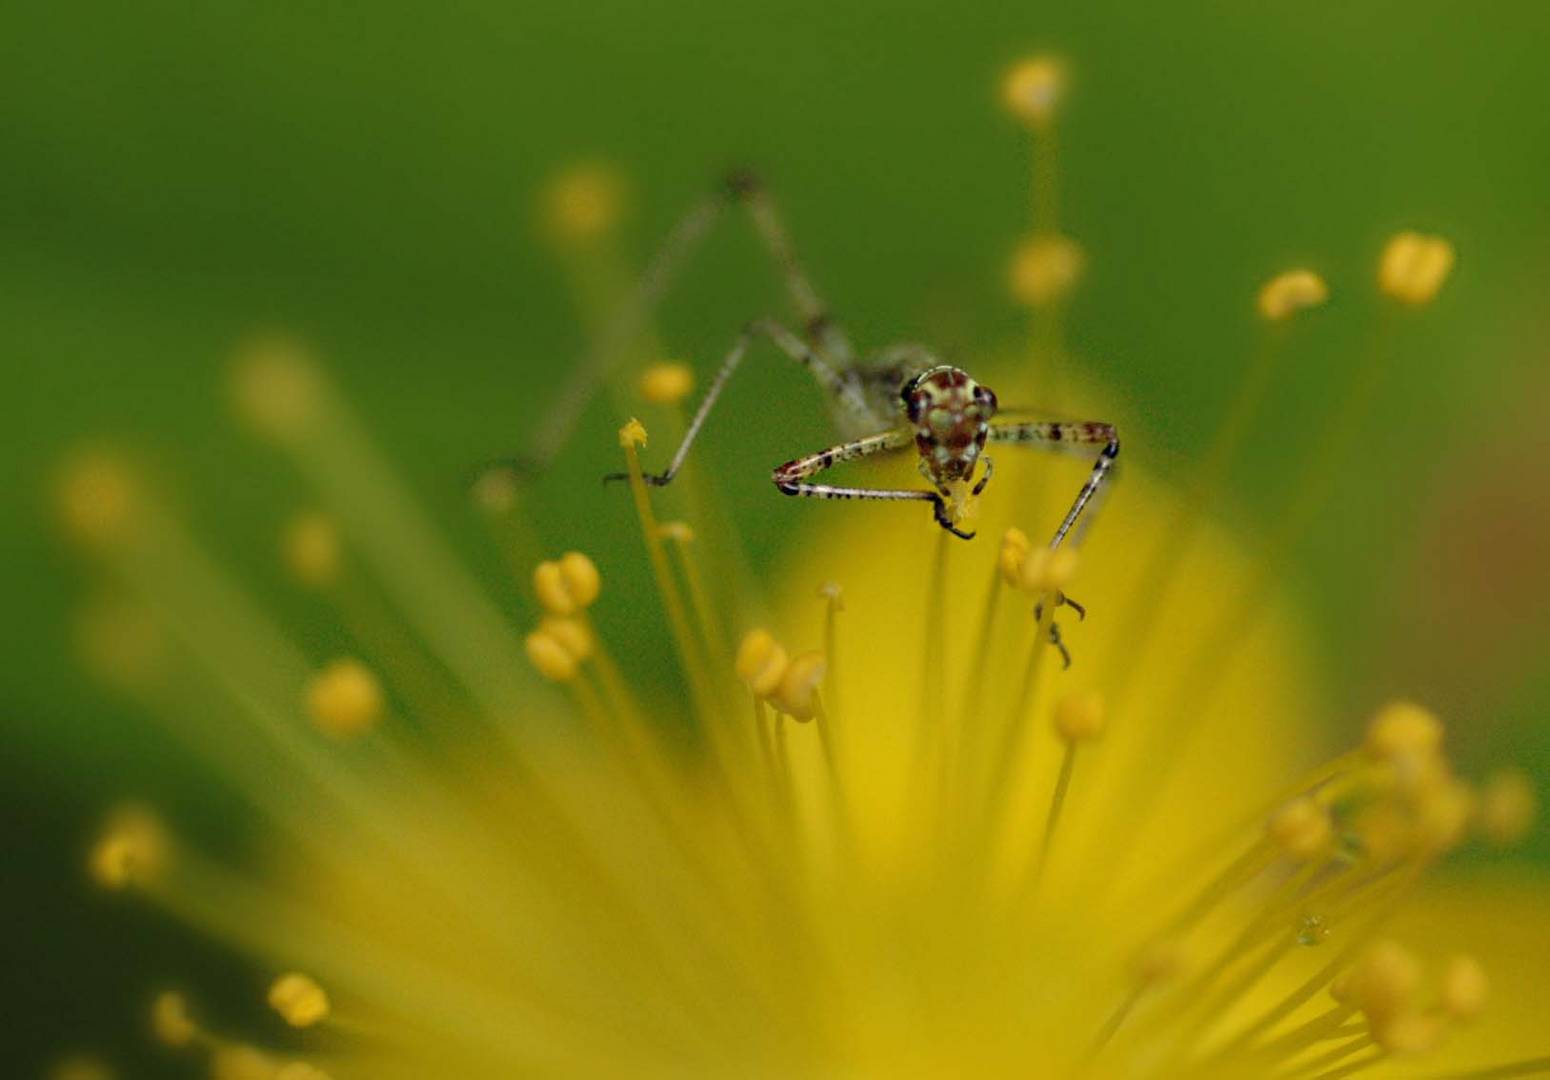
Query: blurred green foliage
(173, 175)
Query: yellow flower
(942, 872)
(901, 840)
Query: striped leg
(626, 325)
(794, 347)
(1053, 433)
(825, 334)
(790, 478)
(631, 318)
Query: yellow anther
(761, 662)
(133, 849)
(170, 1022)
(1302, 828)
(96, 496)
(633, 433)
(572, 635)
(239, 1061)
(1407, 1032)
(797, 695)
(495, 490)
(581, 577)
(1464, 988)
(81, 1067)
(1442, 816)
(119, 642)
(276, 387)
(583, 202)
(1286, 294)
(1507, 806)
(1415, 776)
(552, 659)
(299, 1000)
(1045, 268)
(1403, 730)
(345, 699)
(1014, 550)
(667, 383)
(300, 1070)
(1079, 717)
(1033, 89)
(311, 550)
(1161, 961)
(677, 531)
(568, 584)
(1047, 571)
(832, 592)
(1384, 982)
(1414, 267)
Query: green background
(174, 175)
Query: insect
(896, 398)
(901, 397)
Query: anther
(1045, 269)
(572, 635)
(666, 383)
(1384, 982)
(311, 550)
(133, 848)
(550, 656)
(797, 695)
(1014, 549)
(300, 1070)
(495, 489)
(1403, 730)
(761, 663)
(1407, 1032)
(567, 585)
(633, 433)
(1302, 828)
(1414, 267)
(583, 203)
(170, 1022)
(1506, 807)
(345, 699)
(96, 497)
(120, 642)
(1079, 717)
(1047, 570)
(1464, 988)
(1288, 293)
(299, 1000)
(1033, 89)
(277, 388)
(238, 1061)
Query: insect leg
(1054, 433)
(817, 323)
(743, 187)
(561, 414)
(790, 478)
(784, 340)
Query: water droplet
(1313, 930)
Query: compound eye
(987, 399)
